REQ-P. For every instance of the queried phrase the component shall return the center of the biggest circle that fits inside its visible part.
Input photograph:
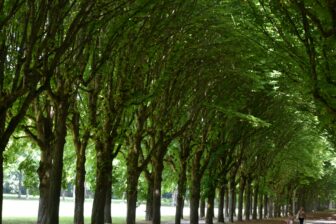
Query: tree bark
(133, 167)
(202, 207)
(248, 200)
(108, 196)
(276, 208)
(43, 138)
(194, 200)
(261, 205)
(44, 177)
(101, 184)
(271, 208)
(241, 198)
(221, 203)
(57, 168)
(195, 188)
(157, 172)
(108, 146)
(293, 202)
(255, 202)
(79, 188)
(149, 201)
(232, 196)
(227, 200)
(181, 189)
(80, 146)
(132, 188)
(266, 206)
(210, 207)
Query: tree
(29, 60)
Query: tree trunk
(195, 188)
(43, 138)
(132, 194)
(266, 206)
(227, 200)
(44, 177)
(271, 208)
(248, 200)
(293, 202)
(79, 190)
(241, 198)
(255, 202)
(149, 202)
(133, 167)
(179, 211)
(287, 207)
(210, 207)
(149, 196)
(276, 208)
(108, 146)
(202, 207)
(181, 189)
(57, 168)
(232, 197)
(221, 204)
(79, 185)
(111, 151)
(182, 181)
(108, 197)
(157, 161)
(194, 201)
(132, 186)
(101, 184)
(157, 172)
(261, 205)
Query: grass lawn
(63, 220)
(22, 211)
(69, 220)
(140, 220)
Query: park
(144, 111)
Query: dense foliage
(231, 101)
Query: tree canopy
(226, 100)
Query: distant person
(301, 215)
(290, 219)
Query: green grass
(18, 220)
(69, 220)
(63, 220)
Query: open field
(22, 211)
(25, 211)
(29, 208)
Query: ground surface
(28, 209)
(321, 218)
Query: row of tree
(133, 89)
